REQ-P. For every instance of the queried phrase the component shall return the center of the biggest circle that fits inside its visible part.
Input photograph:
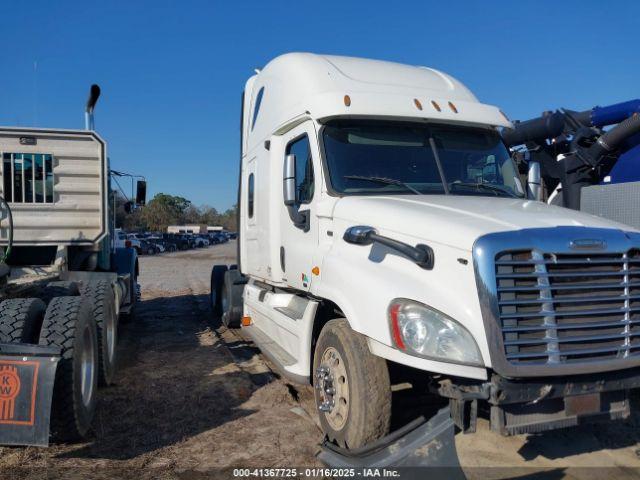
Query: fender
(125, 261)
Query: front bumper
(546, 403)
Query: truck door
(300, 241)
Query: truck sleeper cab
(383, 227)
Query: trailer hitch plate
(27, 375)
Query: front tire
(352, 387)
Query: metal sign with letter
(27, 375)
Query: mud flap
(420, 449)
(27, 375)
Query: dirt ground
(194, 400)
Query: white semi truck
(64, 283)
(383, 227)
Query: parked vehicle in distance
(148, 248)
(219, 237)
(200, 241)
(180, 241)
(232, 235)
(385, 237)
(158, 242)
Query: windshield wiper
(387, 181)
(487, 186)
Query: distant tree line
(164, 210)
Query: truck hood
(457, 220)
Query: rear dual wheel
(102, 300)
(226, 294)
(21, 319)
(69, 325)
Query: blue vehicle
(587, 161)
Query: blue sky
(172, 72)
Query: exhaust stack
(94, 94)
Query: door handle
(421, 255)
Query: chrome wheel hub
(332, 388)
(87, 368)
(111, 338)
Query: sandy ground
(194, 400)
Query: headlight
(425, 332)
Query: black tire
(103, 303)
(232, 299)
(363, 377)
(69, 324)
(215, 293)
(21, 319)
(60, 289)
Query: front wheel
(352, 387)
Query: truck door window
(250, 192)
(304, 168)
(256, 109)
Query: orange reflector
(435, 105)
(347, 100)
(418, 104)
(246, 321)
(453, 107)
(315, 271)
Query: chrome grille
(568, 308)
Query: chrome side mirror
(289, 180)
(534, 181)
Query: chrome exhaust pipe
(94, 94)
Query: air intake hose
(611, 140)
(547, 126)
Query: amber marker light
(246, 321)
(435, 105)
(453, 107)
(315, 271)
(347, 100)
(418, 104)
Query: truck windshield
(376, 157)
